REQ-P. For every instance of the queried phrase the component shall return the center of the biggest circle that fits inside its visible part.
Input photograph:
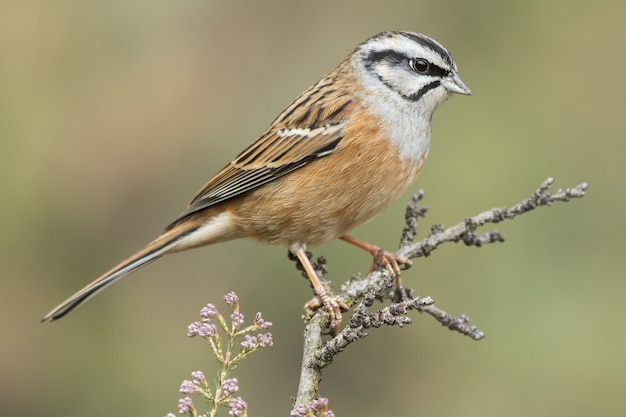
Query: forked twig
(363, 292)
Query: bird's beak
(455, 84)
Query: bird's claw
(332, 305)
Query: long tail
(170, 241)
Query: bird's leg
(322, 296)
(381, 257)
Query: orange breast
(332, 195)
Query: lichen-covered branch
(464, 231)
(363, 292)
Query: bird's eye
(419, 65)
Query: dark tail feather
(153, 251)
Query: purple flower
(231, 299)
(170, 415)
(249, 342)
(198, 377)
(259, 321)
(187, 387)
(237, 319)
(319, 404)
(209, 311)
(329, 414)
(198, 328)
(230, 386)
(185, 405)
(237, 407)
(299, 411)
(265, 340)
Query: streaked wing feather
(281, 150)
(310, 128)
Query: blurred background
(114, 113)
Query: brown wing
(282, 149)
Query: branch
(363, 292)
(465, 230)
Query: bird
(337, 156)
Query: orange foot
(332, 305)
(322, 296)
(389, 260)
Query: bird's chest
(330, 196)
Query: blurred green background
(113, 113)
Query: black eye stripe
(386, 55)
(395, 58)
(437, 71)
(398, 58)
